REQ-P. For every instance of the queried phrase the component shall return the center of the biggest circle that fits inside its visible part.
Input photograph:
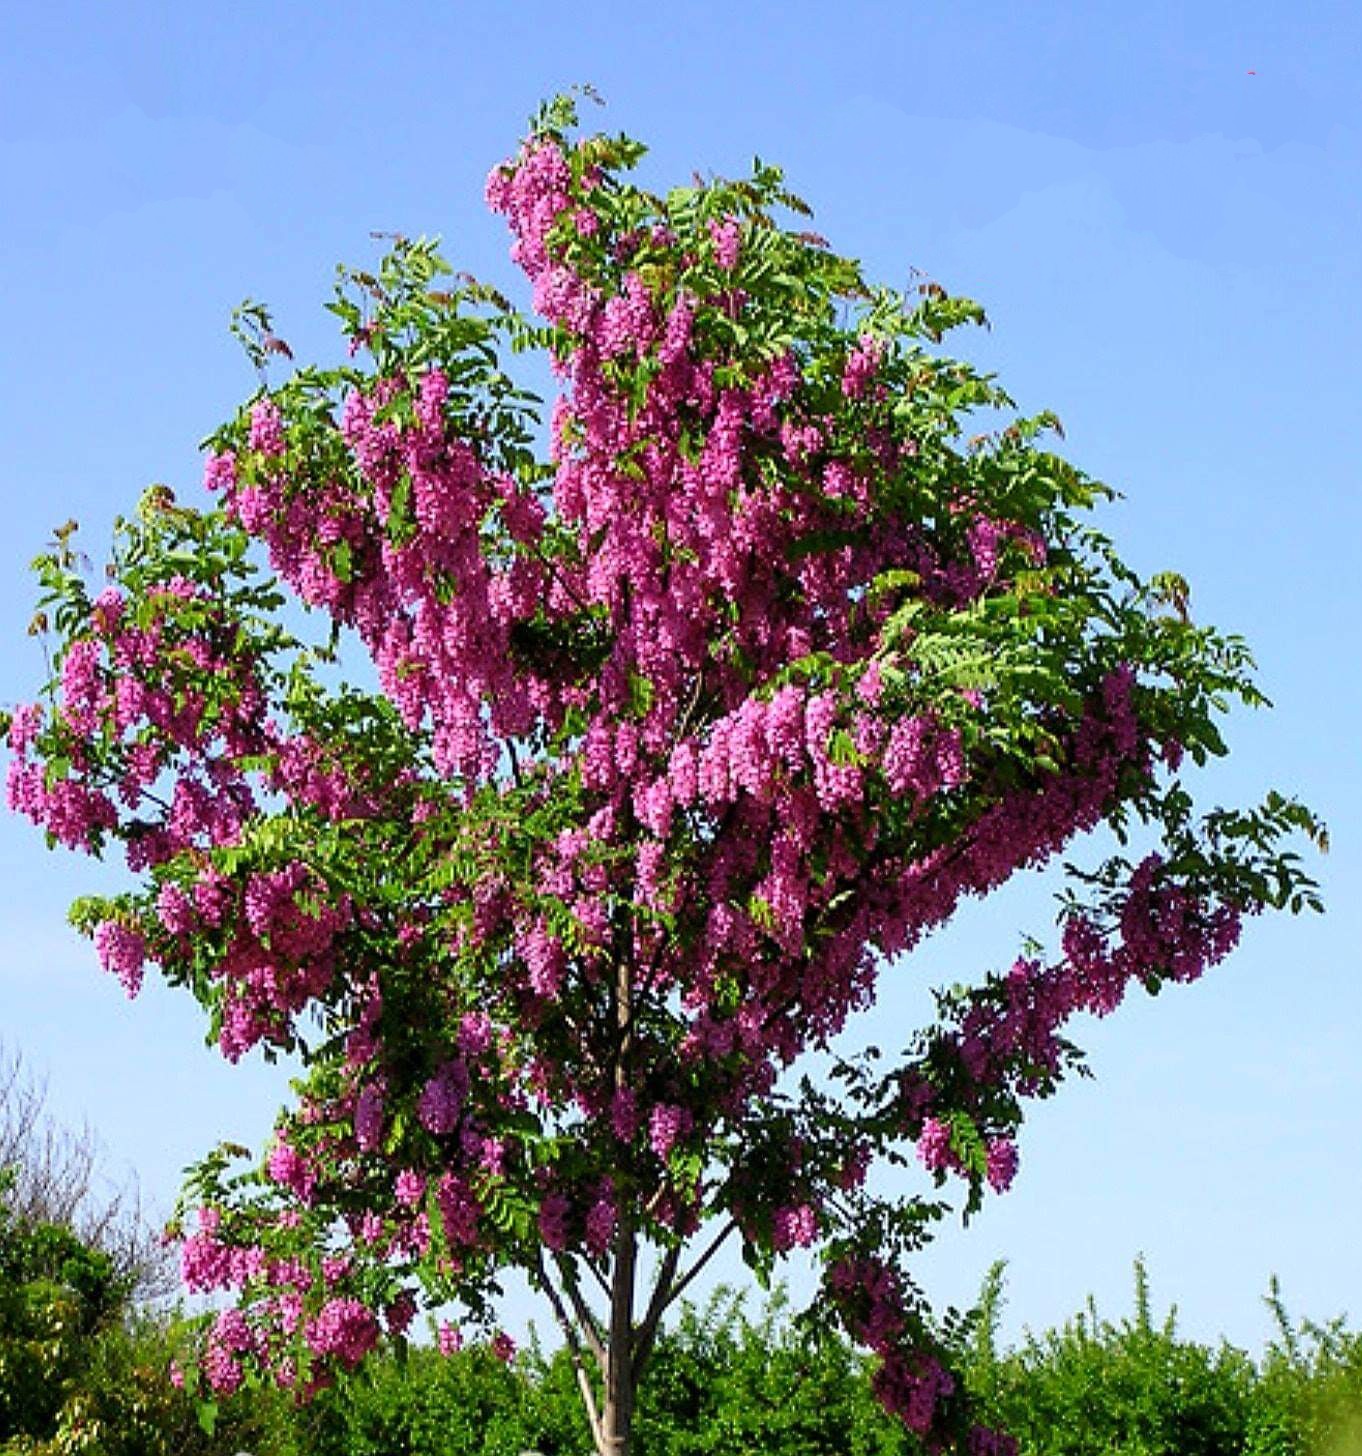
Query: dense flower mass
(680, 736)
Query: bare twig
(59, 1179)
(597, 1273)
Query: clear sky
(1161, 207)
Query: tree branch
(597, 1273)
(589, 1324)
(560, 1314)
(683, 1283)
(647, 1330)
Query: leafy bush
(721, 1382)
(727, 1383)
(724, 1383)
(56, 1295)
(1094, 1386)
(1309, 1392)
(424, 1404)
(81, 1369)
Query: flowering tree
(678, 736)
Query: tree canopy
(635, 744)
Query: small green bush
(1095, 1387)
(56, 1296)
(425, 1404)
(720, 1382)
(1309, 1392)
(726, 1385)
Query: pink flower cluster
(909, 1381)
(230, 1340)
(442, 1098)
(459, 1210)
(1001, 1164)
(667, 1126)
(601, 1219)
(344, 1329)
(290, 1169)
(934, 1146)
(553, 1222)
(794, 1228)
(1009, 1035)
(122, 951)
(912, 1387)
(208, 1263)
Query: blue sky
(1161, 208)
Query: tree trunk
(617, 1421)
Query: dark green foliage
(726, 1383)
(471, 1404)
(56, 1295)
(1097, 1386)
(1309, 1393)
(123, 1403)
(720, 1384)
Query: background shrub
(85, 1369)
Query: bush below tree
(85, 1370)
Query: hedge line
(81, 1371)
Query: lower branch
(586, 1317)
(560, 1314)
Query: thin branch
(586, 1317)
(593, 1414)
(597, 1273)
(560, 1313)
(683, 1283)
(550, 563)
(688, 712)
(647, 1330)
(59, 1178)
(565, 1324)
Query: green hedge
(722, 1384)
(83, 1372)
(727, 1384)
(1136, 1387)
